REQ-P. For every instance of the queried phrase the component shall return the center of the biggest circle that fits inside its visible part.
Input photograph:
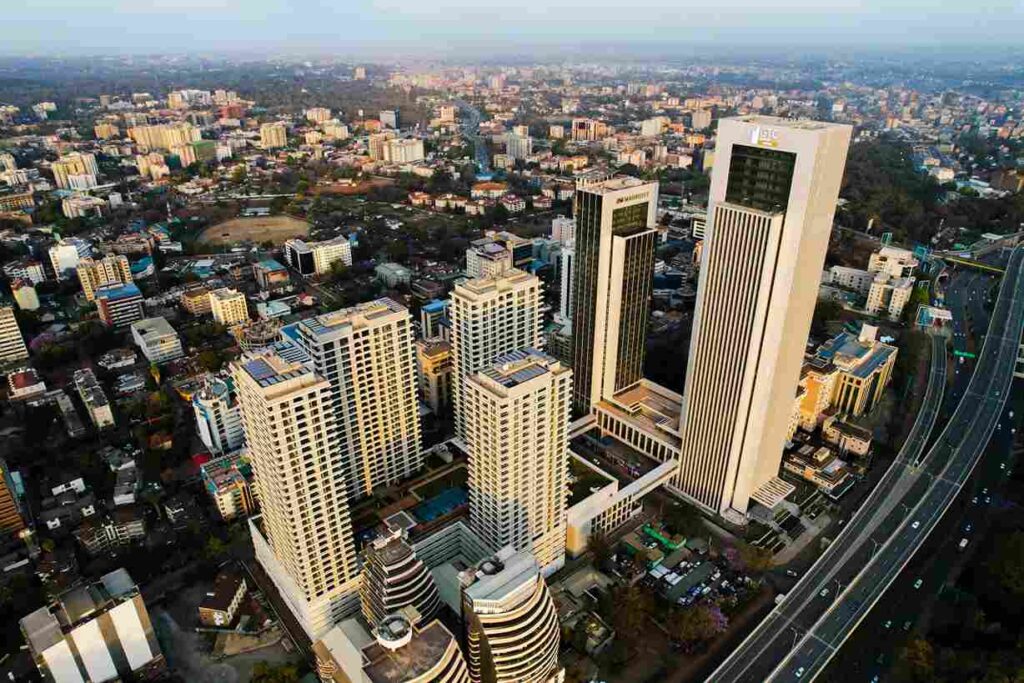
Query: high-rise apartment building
(511, 622)
(11, 519)
(517, 420)
(366, 354)
(65, 255)
(75, 171)
(773, 195)
(304, 537)
(318, 114)
(317, 258)
(518, 146)
(119, 304)
(164, 136)
(92, 273)
(228, 306)
(404, 151)
(491, 317)
(375, 143)
(612, 285)
(218, 417)
(434, 374)
(393, 579)
(12, 344)
(273, 135)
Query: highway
(950, 462)
(777, 632)
(471, 130)
(801, 634)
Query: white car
(915, 525)
(800, 672)
(917, 584)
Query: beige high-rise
(273, 135)
(304, 537)
(773, 196)
(12, 344)
(613, 272)
(110, 269)
(229, 307)
(366, 353)
(517, 419)
(491, 317)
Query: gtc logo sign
(765, 137)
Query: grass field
(275, 229)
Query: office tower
(394, 578)
(65, 255)
(157, 340)
(317, 258)
(318, 114)
(402, 151)
(490, 317)
(273, 135)
(518, 146)
(773, 196)
(95, 632)
(75, 171)
(511, 622)
(612, 285)
(389, 118)
(119, 304)
(12, 345)
(113, 269)
(434, 374)
(304, 537)
(228, 306)
(366, 354)
(517, 419)
(11, 520)
(397, 651)
(218, 417)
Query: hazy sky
(442, 27)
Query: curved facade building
(512, 633)
(394, 578)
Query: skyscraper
(394, 578)
(511, 622)
(517, 420)
(366, 353)
(491, 317)
(612, 285)
(12, 344)
(273, 135)
(304, 537)
(773, 196)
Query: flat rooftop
(617, 184)
(409, 662)
(355, 317)
(649, 405)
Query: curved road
(471, 118)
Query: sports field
(275, 229)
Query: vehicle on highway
(824, 592)
(915, 525)
(962, 544)
(800, 672)
(918, 583)
(888, 624)
(790, 572)
(906, 625)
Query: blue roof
(115, 292)
(271, 264)
(435, 306)
(291, 331)
(142, 264)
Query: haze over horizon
(446, 28)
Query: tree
(915, 662)
(1006, 565)
(211, 360)
(755, 559)
(598, 544)
(697, 625)
(629, 609)
(263, 672)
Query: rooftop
(518, 367)
(153, 327)
(353, 318)
(617, 184)
(118, 291)
(409, 662)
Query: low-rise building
(848, 438)
(393, 274)
(228, 307)
(196, 300)
(97, 405)
(270, 275)
(24, 383)
(157, 340)
(119, 304)
(226, 480)
(220, 606)
(111, 532)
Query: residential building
(889, 295)
(486, 258)
(518, 146)
(97, 406)
(389, 118)
(110, 533)
(65, 254)
(303, 539)
(218, 417)
(119, 304)
(24, 383)
(854, 279)
(517, 420)
(95, 632)
(404, 151)
(164, 136)
(12, 520)
(93, 273)
(433, 319)
(588, 130)
(563, 229)
(82, 206)
(157, 340)
(398, 651)
(270, 275)
(393, 579)
(366, 354)
(25, 294)
(220, 606)
(226, 480)
(196, 299)
(75, 171)
(12, 345)
(893, 261)
(612, 285)
(512, 633)
(318, 114)
(489, 318)
(25, 269)
(273, 135)
(228, 307)
(317, 258)
(434, 374)
(773, 195)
